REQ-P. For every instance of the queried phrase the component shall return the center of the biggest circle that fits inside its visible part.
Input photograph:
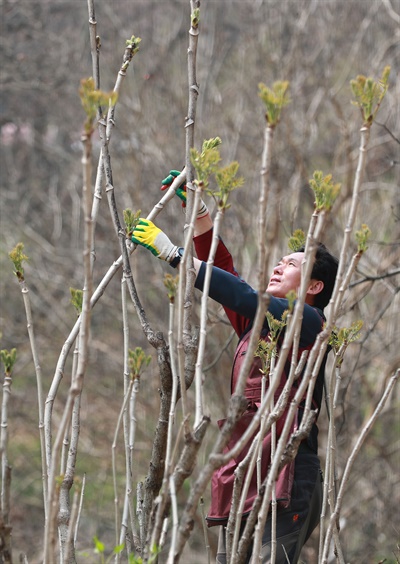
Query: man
(298, 491)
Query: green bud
(137, 361)
(8, 359)
(275, 99)
(205, 162)
(171, 284)
(267, 348)
(131, 220)
(195, 18)
(362, 237)
(291, 298)
(325, 191)
(369, 94)
(17, 258)
(76, 299)
(340, 338)
(133, 44)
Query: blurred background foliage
(318, 45)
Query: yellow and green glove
(181, 192)
(150, 236)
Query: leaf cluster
(227, 181)
(297, 240)
(275, 99)
(8, 359)
(341, 338)
(17, 257)
(138, 361)
(206, 163)
(92, 100)
(369, 93)
(325, 191)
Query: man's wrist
(177, 258)
(203, 210)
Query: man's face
(286, 275)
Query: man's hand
(181, 193)
(150, 236)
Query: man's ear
(315, 287)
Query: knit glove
(181, 192)
(150, 236)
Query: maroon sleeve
(223, 259)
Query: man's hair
(324, 269)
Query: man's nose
(278, 269)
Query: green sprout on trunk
(362, 237)
(325, 191)
(195, 18)
(131, 220)
(266, 348)
(291, 297)
(171, 283)
(17, 257)
(8, 359)
(369, 93)
(77, 299)
(275, 99)
(137, 361)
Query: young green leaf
(99, 546)
(118, 549)
(227, 181)
(92, 100)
